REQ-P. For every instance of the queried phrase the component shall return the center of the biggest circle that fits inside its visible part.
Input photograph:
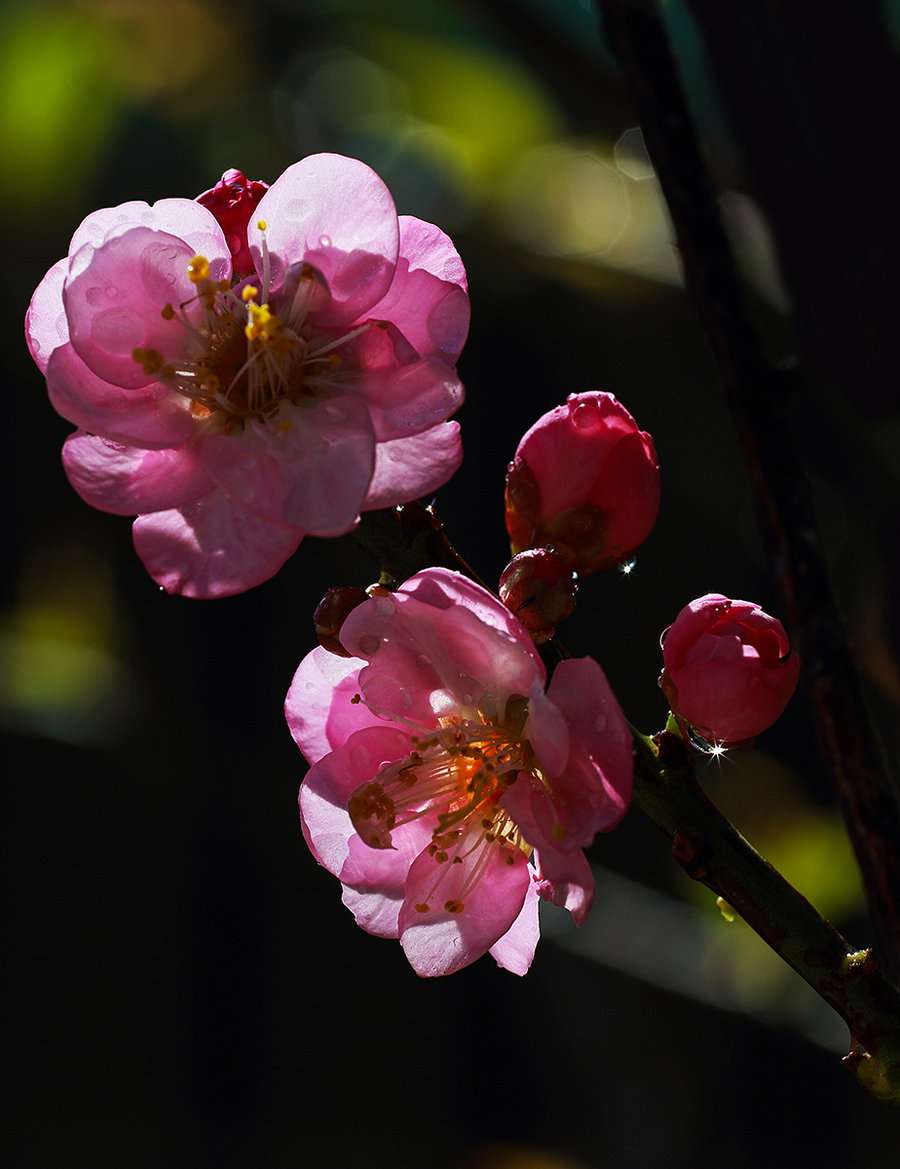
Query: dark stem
(757, 394)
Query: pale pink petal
(408, 399)
(427, 299)
(318, 709)
(338, 215)
(46, 327)
(151, 416)
(374, 880)
(438, 940)
(309, 466)
(565, 878)
(114, 295)
(213, 547)
(328, 786)
(129, 480)
(407, 468)
(427, 662)
(184, 218)
(444, 589)
(515, 950)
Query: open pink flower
(233, 417)
(585, 482)
(448, 790)
(729, 671)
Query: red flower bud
(728, 669)
(538, 586)
(232, 201)
(585, 481)
(331, 613)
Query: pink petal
(407, 468)
(128, 480)
(327, 788)
(310, 466)
(213, 547)
(444, 589)
(427, 299)
(408, 399)
(438, 941)
(318, 706)
(114, 295)
(151, 417)
(515, 950)
(46, 327)
(184, 218)
(338, 215)
(428, 661)
(565, 878)
(580, 691)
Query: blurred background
(183, 985)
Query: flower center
(457, 775)
(243, 357)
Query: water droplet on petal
(324, 241)
(585, 415)
(369, 644)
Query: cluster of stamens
(457, 776)
(240, 359)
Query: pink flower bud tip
(728, 669)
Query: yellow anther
(198, 269)
(167, 312)
(454, 906)
(249, 293)
(336, 359)
(261, 323)
(284, 426)
(558, 831)
(261, 224)
(422, 908)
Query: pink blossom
(233, 417)
(585, 482)
(449, 791)
(729, 671)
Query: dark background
(183, 986)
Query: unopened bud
(539, 587)
(584, 482)
(232, 201)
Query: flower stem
(711, 850)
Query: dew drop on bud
(585, 415)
